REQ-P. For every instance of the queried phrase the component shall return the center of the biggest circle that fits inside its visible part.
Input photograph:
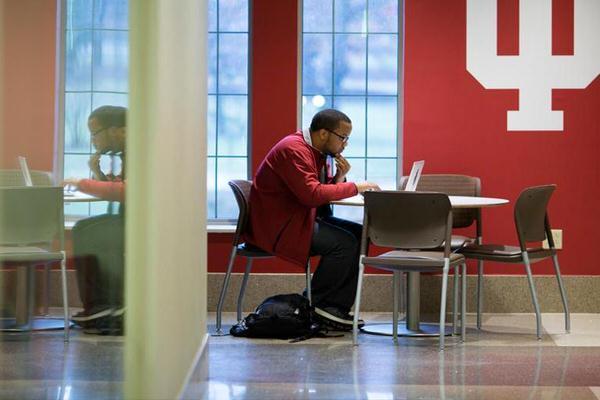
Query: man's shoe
(335, 319)
(85, 317)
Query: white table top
(456, 201)
(79, 197)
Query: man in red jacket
(290, 214)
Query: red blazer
(285, 194)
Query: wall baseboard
(502, 293)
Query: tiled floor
(503, 361)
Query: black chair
(418, 225)
(533, 225)
(241, 191)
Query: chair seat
(250, 250)
(458, 241)
(28, 254)
(412, 260)
(503, 253)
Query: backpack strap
(316, 330)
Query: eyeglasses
(98, 131)
(343, 138)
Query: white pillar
(166, 196)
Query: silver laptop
(415, 175)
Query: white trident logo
(535, 71)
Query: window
(350, 62)
(227, 103)
(96, 74)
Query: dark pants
(98, 246)
(337, 241)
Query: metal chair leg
(536, 306)
(402, 301)
(308, 284)
(396, 290)
(479, 292)
(219, 332)
(563, 294)
(361, 270)
(46, 289)
(455, 301)
(463, 311)
(443, 304)
(243, 288)
(65, 294)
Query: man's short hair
(328, 119)
(110, 116)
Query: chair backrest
(31, 215)
(452, 185)
(407, 220)
(14, 177)
(241, 191)
(531, 217)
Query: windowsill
(210, 228)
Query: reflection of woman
(98, 242)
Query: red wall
(459, 127)
(29, 39)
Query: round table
(79, 197)
(412, 326)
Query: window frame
(400, 82)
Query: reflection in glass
(77, 109)
(78, 60)
(111, 14)
(116, 99)
(350, 64)
(79, 14)
(110, 63)
(229, 168)
(76, 166)
(232, 123)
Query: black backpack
(285, 316)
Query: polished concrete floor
(503, 361)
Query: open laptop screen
(415, 175)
